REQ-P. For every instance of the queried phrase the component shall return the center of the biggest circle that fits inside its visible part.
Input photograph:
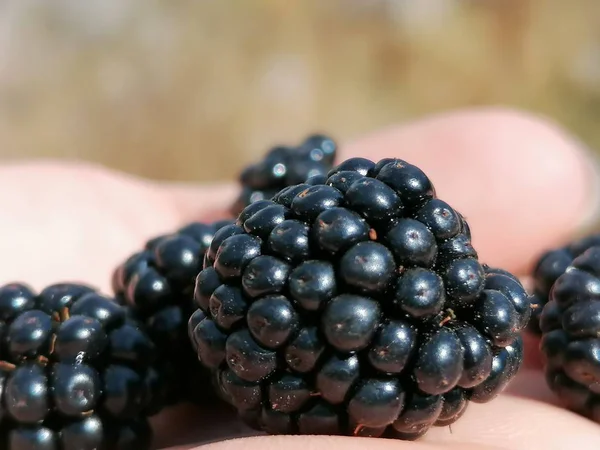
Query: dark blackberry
(551, 265)
(364, 310)
(368, 268)
(157, 284)
(290, 239)
(359, 165)
(286, 166)
(570, 343)
(343, 180)
(75, 371)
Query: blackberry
(570, 326)
(156, 285)
(282, 166)
(75, 371)
(356, 306)
(551, 265)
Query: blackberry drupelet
(75, 372)
(157, 285)
(570, 343)
(551, 265)
(286, 166)
(356, 306)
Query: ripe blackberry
(75, 372)
(570, 326)
(355, 306)
(551, 265)
(157, 285)
(286, 166)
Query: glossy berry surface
(549, 267)
(570, 326)
(156, 285)
(75, 371)
(283, 166)
(355, 305)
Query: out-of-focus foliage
(194, 89)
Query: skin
(522, 183)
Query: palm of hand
(76, 223)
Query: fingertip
(523, 184)
(204, 202)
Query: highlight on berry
(355, 304)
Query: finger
(209, 202)
(522, 184)
(531, 384)
(186, 425)
(506, 162)
(516, 423)
(53, 212)
(68, 221)
(532, 354)
(179, 426)
(506, 423)
(328, 442)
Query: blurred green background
(192, 90)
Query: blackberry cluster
(551, 265)
(156, 285)
(355, 306)
(285, 166)
(570, 326)
(75, 373)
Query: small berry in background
(570, 342)
(156, 285)
(549, 267)
(285, 166)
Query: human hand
(522, 185)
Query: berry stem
(52, 344)
(358, 429)
(448, 318)
(64, 314)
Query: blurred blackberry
(355, 307)
(285, 166)
(551, 265)
(157, 286)
(570, 326)
(75, 373)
